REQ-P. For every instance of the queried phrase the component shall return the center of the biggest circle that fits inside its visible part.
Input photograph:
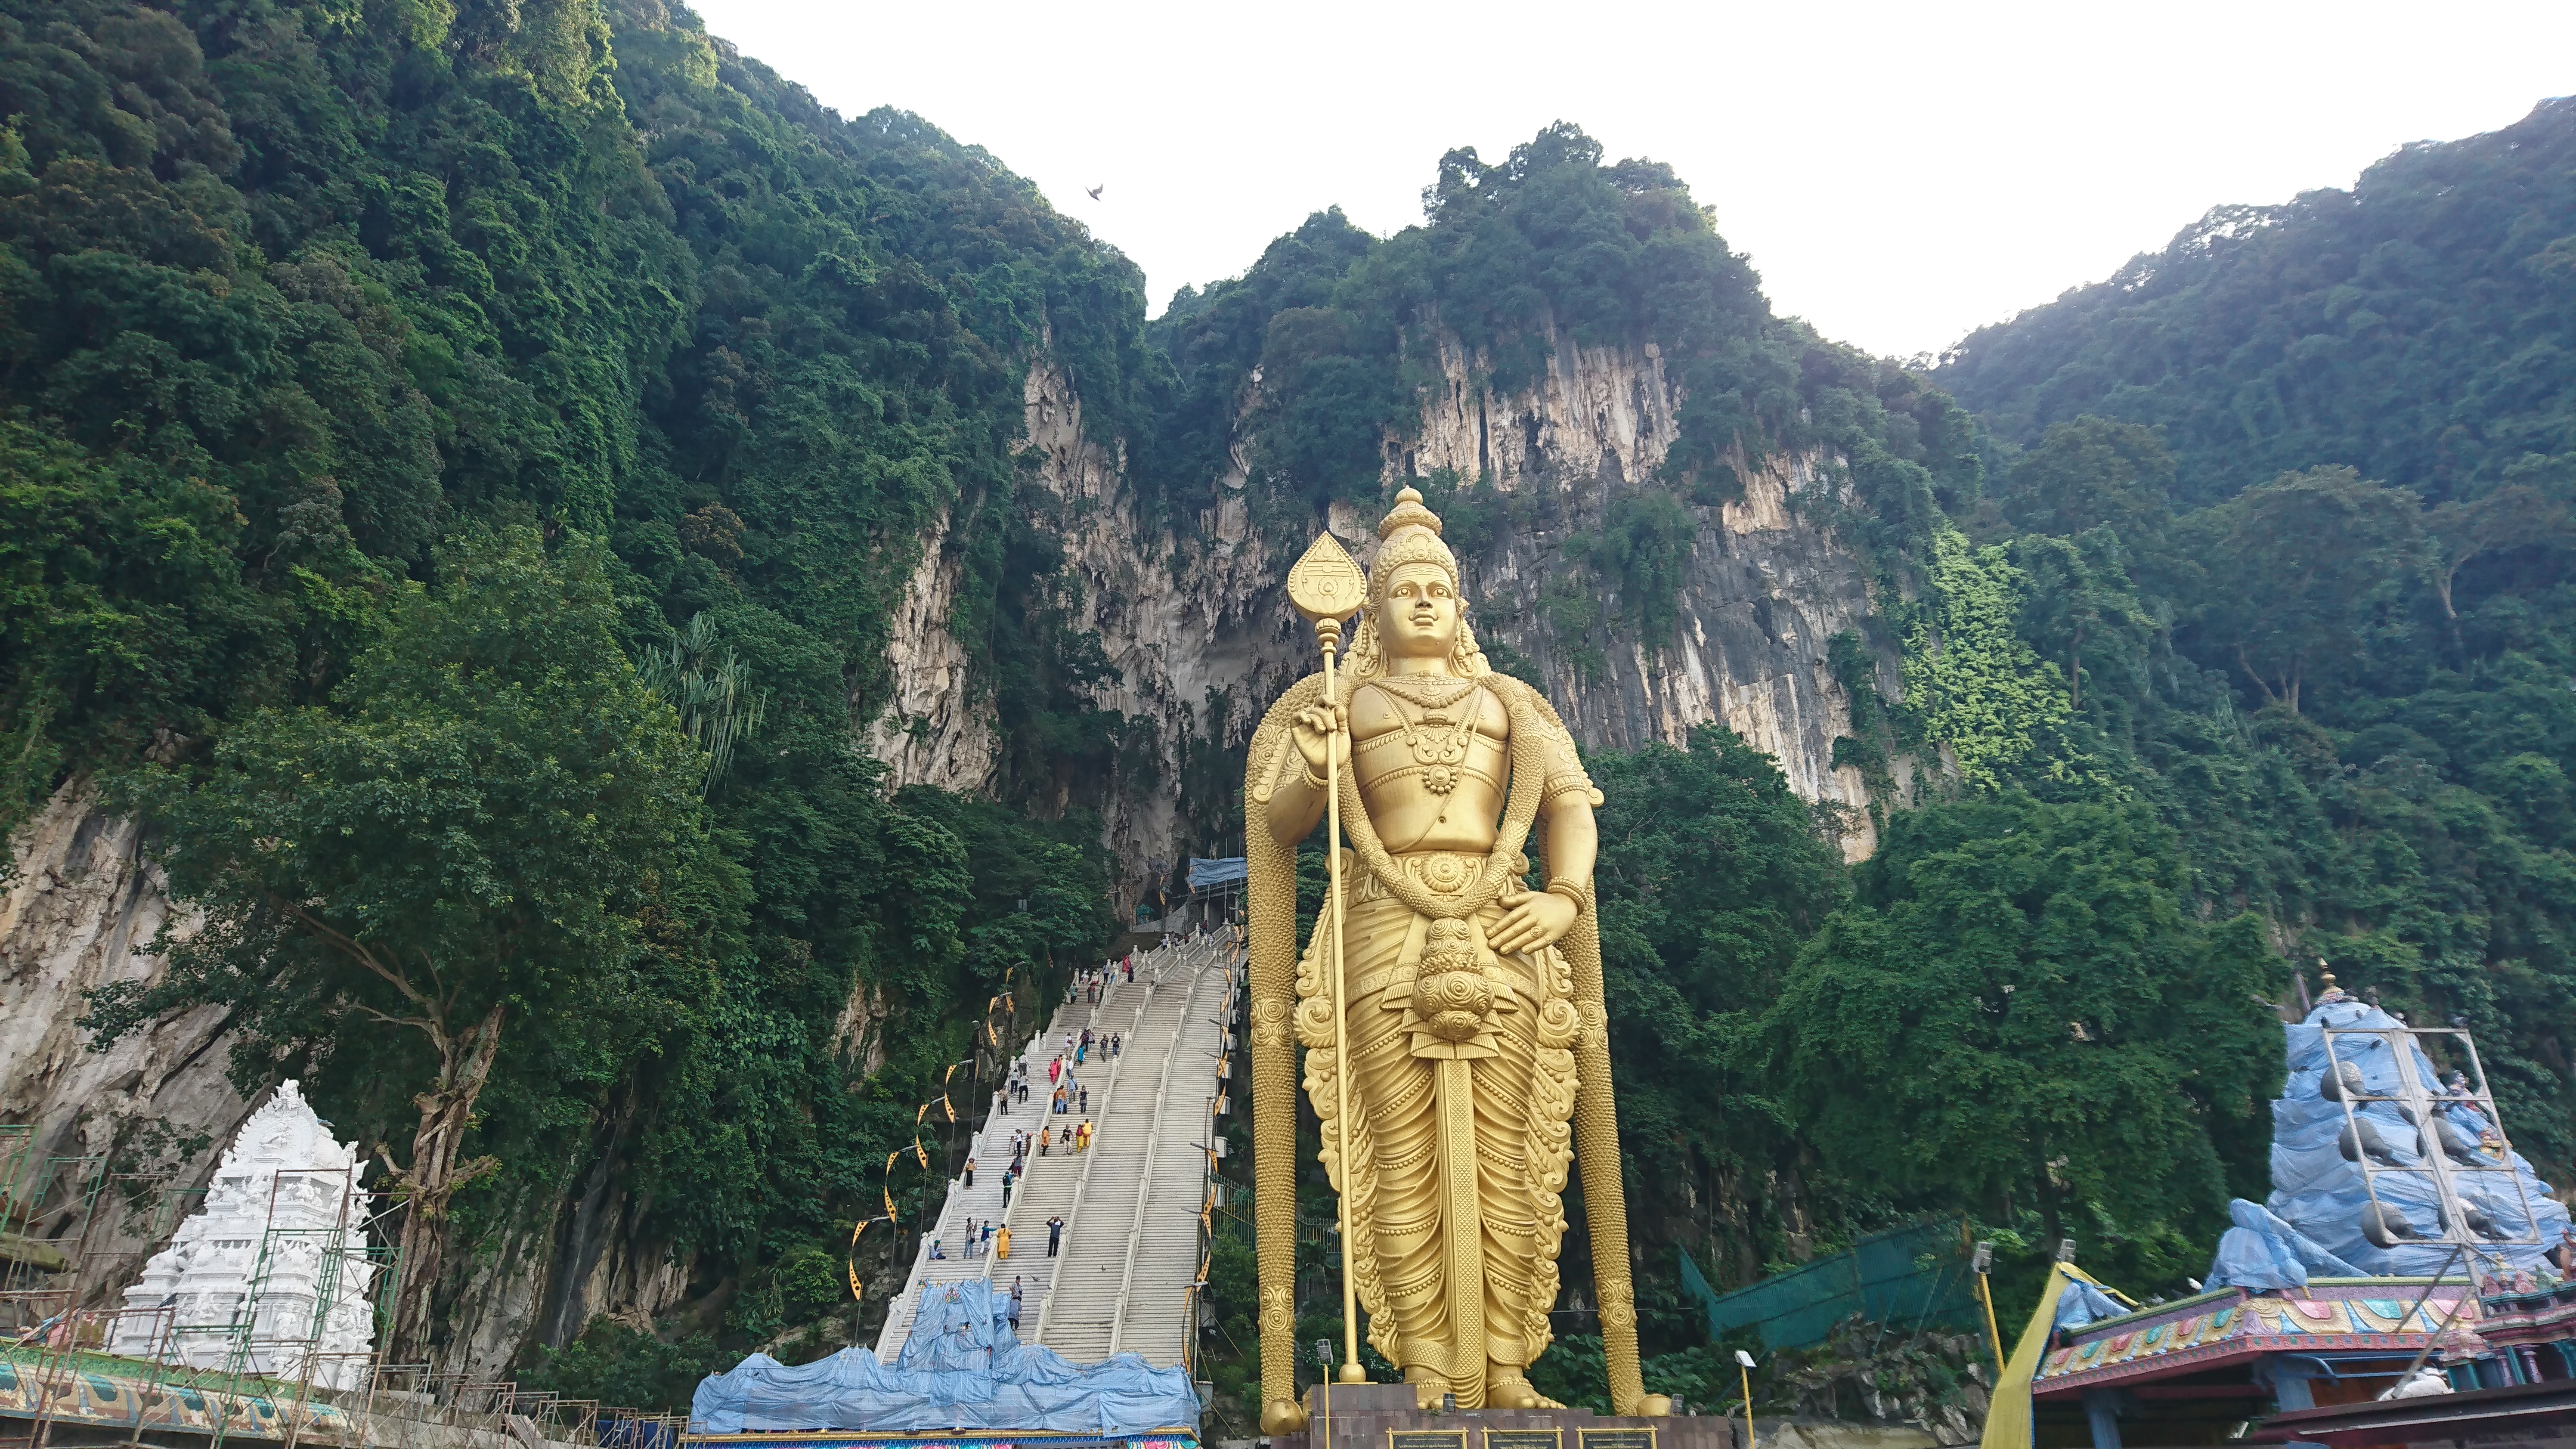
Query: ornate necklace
(1431, 691)
(1438, 746)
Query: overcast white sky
(1899, 173)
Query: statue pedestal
(1382, 1416)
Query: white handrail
(1108, 994)
(1011, 1212)
(1153, 1144)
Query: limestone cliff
(81, 908)
(1766, 588)
(1190, 613)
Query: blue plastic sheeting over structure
(1204, 873)
(1880, 1278)
(2082, 1303)
(2319, 1193)
(962, 1368)
(2263, 1252)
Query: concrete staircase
(1131, 1204)
(982, 1203)
(1132, 1246)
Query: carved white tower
(273, 1267)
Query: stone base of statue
(1383, 1416)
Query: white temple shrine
(271, 1276)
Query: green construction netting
(1909, 1278)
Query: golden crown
(1410, 533)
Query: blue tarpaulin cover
(1205, 872)
(2082, 1303)
(2318, 1195)
(961, 1368)
(2262, 1252)
(2268, 1254)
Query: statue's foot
(1507, 1389)
(1656, 1406)
(1283, 1416)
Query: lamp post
(1984, 1264)
(1324, 1392)
(1744, 1370)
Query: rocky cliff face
(81, 910)
(1765, 590)
(1202, 638)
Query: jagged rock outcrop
(81, 909)
(1766, 589)
(1201, 639)
(935, 728)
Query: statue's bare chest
(1428, 737)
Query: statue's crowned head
(1414, 571)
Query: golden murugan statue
(1472, 1005)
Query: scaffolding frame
(62, 1314)
(2421, 1105)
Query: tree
(2510, 517)
(2077, 589)
(491, 824)
(2093, 472)
(2016, 1008)
(1711, 873)
(2299, 565)
(1975, 686)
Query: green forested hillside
(325, 323)
(1554, 245)
(498, 433)
(2296, 495)
(2416, 328)
(2272, 564)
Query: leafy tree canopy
(493, 829)
(2017, 1009)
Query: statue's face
(1419, 619)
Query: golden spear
(1327, 587)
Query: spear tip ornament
(1325, 583)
